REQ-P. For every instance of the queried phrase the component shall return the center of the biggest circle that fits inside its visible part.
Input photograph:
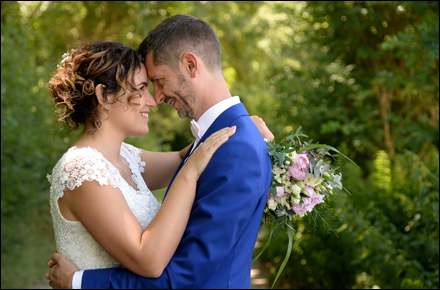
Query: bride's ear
(101, 95)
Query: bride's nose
(151, 102)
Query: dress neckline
(111, 164)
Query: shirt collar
(206, 120)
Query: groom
(182, 55)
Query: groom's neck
(211, 93)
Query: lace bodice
(87, 164)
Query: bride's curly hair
(73, 83)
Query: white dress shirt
(204, 122)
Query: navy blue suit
(217, 245)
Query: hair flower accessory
(302, 179)
(65, 56)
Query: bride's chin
(143, 132)
(138, 133)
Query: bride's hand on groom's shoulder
(201, 156)
(61, 272)
(261, 125)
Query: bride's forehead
(141, 73)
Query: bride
(104, 214)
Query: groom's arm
(121, 278)
(62, 275)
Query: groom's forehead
(152, 69)
(156, 72)
(153, 73)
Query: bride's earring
(107, 107)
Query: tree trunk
(384, 97)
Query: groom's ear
(189, 64)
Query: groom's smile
(170, 101)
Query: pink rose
(308, 202)
(315, 198)
(300, 168)
(298, 209)
(310, 191)
(280, 191)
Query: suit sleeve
(227, 196)
(121, 278)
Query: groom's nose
(159, 96)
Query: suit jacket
(217, 245)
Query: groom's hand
(61, 272)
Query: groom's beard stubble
(187, 99)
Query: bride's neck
(108, 142)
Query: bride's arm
(261, 125)
(161, 166)
(105, 214)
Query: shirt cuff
(77, 279)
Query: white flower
(279, 212)
(291, 155)
(295, 199)
(271, 204)
(336, 178)
(283, 201)
(296, 189)
(283, 180)
(65, 57)
(312, 180)
(276, 170)
(300, 183)
(292, 188)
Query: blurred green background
(360, 76)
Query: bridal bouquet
(302, 177)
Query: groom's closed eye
(158, 81)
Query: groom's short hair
(179, 34)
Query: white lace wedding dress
(81, 164)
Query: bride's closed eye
(142, 86)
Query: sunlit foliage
(362, 76)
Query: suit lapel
(224, 120)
